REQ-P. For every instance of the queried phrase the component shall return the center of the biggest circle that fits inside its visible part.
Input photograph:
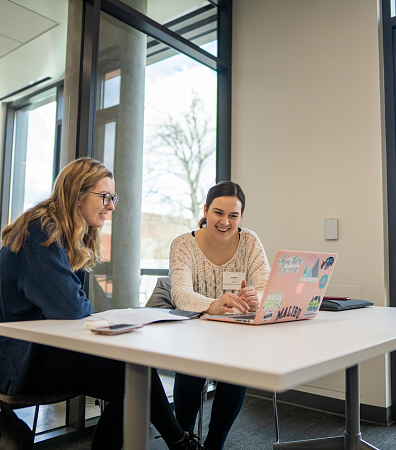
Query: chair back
(161, 296)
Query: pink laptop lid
(296, 286)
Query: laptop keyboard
(249, 316)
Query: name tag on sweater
(233, 280)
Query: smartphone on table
(117, 329)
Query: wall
(306, 144)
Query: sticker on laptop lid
(289, 265)
(311, 270)
(273, 301)
(326, 264)
(268, 315)
(289, 311)
(313, 306)
(323, 281)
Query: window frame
(130, 16)
(12, 109)
(389, 80)
(89, 67)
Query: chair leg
(36, 413)
(204, 397)
(200, 414)
(275, 416)
(101, 404)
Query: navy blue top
(35, 283)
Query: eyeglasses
(107, 198)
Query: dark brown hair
(223, 189)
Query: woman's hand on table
(227, 303)
(250, 295)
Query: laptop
(294, 291)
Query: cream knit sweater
(196, 282)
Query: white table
(271, 357)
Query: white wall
(306, 143)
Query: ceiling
(32, 42)
(19, 25)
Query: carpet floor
(254, 428)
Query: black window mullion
(223, 138)
(389, 70)
(219, 2)
(58, 131)
(389, 51)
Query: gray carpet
(254, 428)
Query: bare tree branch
(180, 150)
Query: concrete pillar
(70, 93)
(128, 164)
(124, 48)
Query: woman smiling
(216, 269)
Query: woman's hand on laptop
(227, 303)
(251, 296)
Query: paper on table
(131, 316)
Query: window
(161, 173)
(33, 131)
(195, 20)
(179, 161)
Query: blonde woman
(44, 256)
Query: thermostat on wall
(331, 229)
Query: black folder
(335, 304)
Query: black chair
(25, 401)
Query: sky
(40, 154)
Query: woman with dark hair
(200, 265)
(43, 259)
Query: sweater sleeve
(49, 283)
(181, 264)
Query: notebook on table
(343, 303)
(294, 291)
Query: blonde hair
(62, 219)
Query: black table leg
(352, 436)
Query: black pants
(226, 405)
(56, 370)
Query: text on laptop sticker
(289, 265)
(289, 311)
